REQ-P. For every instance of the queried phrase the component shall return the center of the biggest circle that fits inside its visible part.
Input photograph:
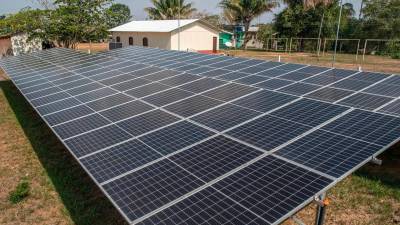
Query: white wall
(194, 37)
(156, 40)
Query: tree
(381, 19)
(214, 20)
(299, 21)
(76, 21)
(170, 9)
(117, 14)
(246, 11)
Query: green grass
(84, 203)
(20, 192)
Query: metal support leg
(321, 210)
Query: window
(145, 42)
(118, 39)
(130, 40)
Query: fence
(371, 54)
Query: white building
(192, 35)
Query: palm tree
(311, 4)
(169, 9)
(246, 10)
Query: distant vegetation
(67, 22)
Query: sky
(137, 6)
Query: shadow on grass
(389, 172)
(85, 202)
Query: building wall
(195, 36)
(5, 46)
(155, 40)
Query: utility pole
(337, 33)
(179, 25)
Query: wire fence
(381, 55)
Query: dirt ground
(94, 47)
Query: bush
(394, 49)
(20, 192)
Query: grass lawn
(59, 191)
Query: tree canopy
(245, 11)
(67, 22)
(117, 14)
(170, 9)
(300, 21)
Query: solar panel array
(185, 138)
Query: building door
(145, 42)
(215, 41)
(130, 40)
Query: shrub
(20, 192)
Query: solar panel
(225, 116)
(268, 132)
(392, 108)
(146, 122)
(322, 150)
(237, 141)
(264, 101)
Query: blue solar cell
(365, 101)
(272, 188)
(130, 84)
(215, 72)
(175, 137)
(233, 76)
(205, 207)
(230, 92)
(193, 105)
(299, 89)
(96, 140)
(225, 117)
(268, 132)
(118, 160)
(161, 75)
(392, 108)
(79, 126)
(202, 85)
(167, 97)
(329, 153)
(310, 112)
(147, 122)
(67, 114)
(252, 79)
(264, 101)
(296, 76)
(384, 89)
(329, 94)
(125, 111)
(109, 102)
(273, 84)
(204, 160)
(94, 95)
(43, 93)
(164, 181)
(180, 79)
(367, 126)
